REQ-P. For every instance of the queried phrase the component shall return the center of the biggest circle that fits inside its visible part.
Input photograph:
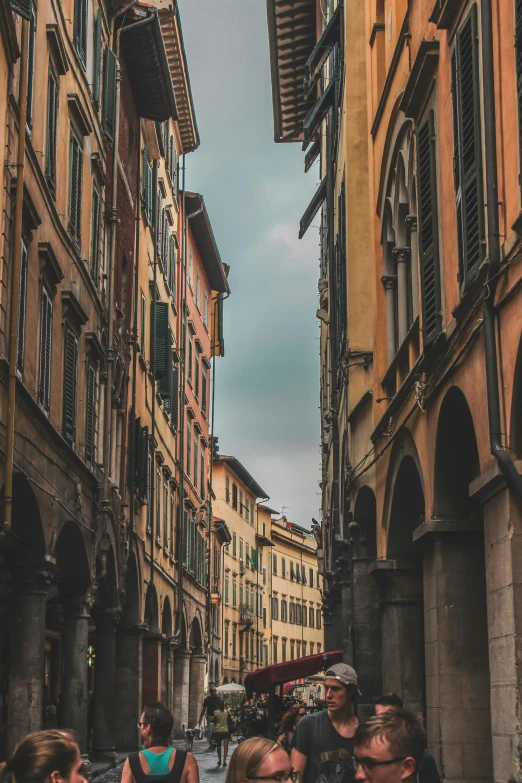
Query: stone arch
(27, 527)
(365, 517)
(216, 671)
(72, 560)
(151, 608)
(166, 618)
(106, 575)
(132, 603)
(404, 501)
(516, 406)
(196, 636)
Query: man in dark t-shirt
(323, 742)
(210, 705)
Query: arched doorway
(197, 670)
(458, 683)
(166, 654)
(152, 648)
(129, 648)
(182, 681)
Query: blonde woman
(44, 757)
(260, 760)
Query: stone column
(345, 580)
(128, 686)
(75, 688)
(401, 256)
(390, 281)
(367, 625)
(27, 650)
(411, 224)
(197, 687)
(181, 692)
(104, 686)
(152, 644)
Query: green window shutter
(175, 398)
(80, 30)
(159, 224)
(172, 265)
(30, 69)
(254, 560)
(51, 131)
(165, 244)
(70, 378)
(95, 233)
(90, 414)
(189, 371)
(98, 40)
(468, 148)
(163, 346)
(22, 303)
(143, 467)
(428, 230)
(109, 93)
(75, 188)
(46, 328)
(149, 195)
(23, 8)
(165, 386)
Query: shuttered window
(158, 503)
(70, 379)
(30, 70)
(109, 93)
(98, 40)
(80, 30)
(196, 372)
(172, 163)
(189, 367)
(189, 436)
(428, 229)
(518, 55)
(202, 474)
(75, 189)
(163, 344)
(468, 149)
(196, 461)
(172, 265)
(204, 390)
(147, 186)
(51, 131)
(46, 329)
(95, 234)
(22, 306)
(175, 398)
(90, 413)
(164, 243)
(142, 462)
(165, 513)
(143, 320)
(165, 386)
(159, 224)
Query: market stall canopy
(261, 680)
(232, 687)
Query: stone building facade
(415, 107)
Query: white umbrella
(232, 687)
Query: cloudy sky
(267, 386)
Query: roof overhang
(206, 242)
(292, 35)
(243, 475)
(261, 680)
(175, 48)
(143, 51)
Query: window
(264, 577)
(158, 503)
(303, 574)
(143, 318)
(198, 287)
(80, 30)
(311, 577)
(189, 438)
(298, 649)
(204, 390)
(51, 131)
(292, 650)
(318, 618)
(292, 612)
(226, 590)
(22, 305)
(227, 491)
(195, 459)
(30, 70)
(173, 524)
(90, 413)
(234, 546)
(109, 92)
(252, 512)
(274, 567)
(98, 41)
(172, 265)
(165, 514)
(304, 649)
(468, 149)
(150, 511)
(311, 617)
(196, 372)
(234, 594)
(95, 233)
(274, 650)
(247, 510)
(241, 509)
(234, 496)
(226, 639)
(275, 609)
(75, 189)
(248, 555)
(147, 186)
(241, 550)
(305, 616)
(240, 594)
(318, 648)
(298, 614)
(70, 378)
(292, 573)
(234, 641)
(283, 650)
(205, 308)
(264, 616)
(284, 610)
(264, 528)
(283, 568)
(202, 488)
(189, 346)
(312, 645)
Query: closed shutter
(195, 473)
(70, 378)
(175, 398)
(468, 149)
(163, 346)
(22, 305)
(23, 8)
(80, 30)
(143, 467)
(90, 414)
(428, 229)
(202, 487)
(189, 369)
(164, 243)
(165, 386)
(95, 233)
(253, 560)
(150, 196)
(159, 225)
(172, 163)
(98, 40)
(518, 55)
(46, 328)
(196, 379)
(109, 93)
(51, 130)
(30, 69)
(75, 189)
(172, 265)
(204, 390)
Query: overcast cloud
(267, 386)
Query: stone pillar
(402, 631)
(151, 687)
(197, 687)
(104, 686)
(411, 224)
(390, 281)
(75, 688)
(27, 649)
(345, 581)
(128, 687)
(401, 256)
(181, 692)
(367, 625)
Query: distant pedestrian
(291, 718)
(389, 747)
(428, 772)
(222, 722)
(158, 758)
(45, 756)
(209, 707)
(260, 759)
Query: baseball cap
(342, 672)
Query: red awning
(261, 680)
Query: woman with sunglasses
(260, 760)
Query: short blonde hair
(41, 753)
(248, 756)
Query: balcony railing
(246, 615)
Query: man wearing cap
(323, 750)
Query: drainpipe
(155, 221)
(513, 478)
(15, 280)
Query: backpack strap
(176, 772)
(135, 765)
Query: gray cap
(343, 673)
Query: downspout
(15, 280)
(511, 475)
(155, 219)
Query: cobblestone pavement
(209, 772)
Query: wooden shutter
(50, 136)
(159, 224)
(172, 162)
(428, 230)
(204, 390)
(80, 30)
(98, 40)
(175, 398)
(468, 148)
(149, 195)
(143, 467)
(109, 93)
(189, 370)
(165, 386)
(95, 233)
(172, 266)
(70, 378)
(30, 69)
(202, 473)
(164, 242)
(22, 305)
(23, 8)
(75, 189)
(518, 56)
(163, 346)
(90, 414)
(46, 325)
(196, 372)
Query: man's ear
(54, 777)
(408, 768)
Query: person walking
(260, 759)
(44, 757)
(222, 722)
(389, 747)
(158, 758)
(428, 772)
(210, 705)
(322, 749)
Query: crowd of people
(328, 746)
